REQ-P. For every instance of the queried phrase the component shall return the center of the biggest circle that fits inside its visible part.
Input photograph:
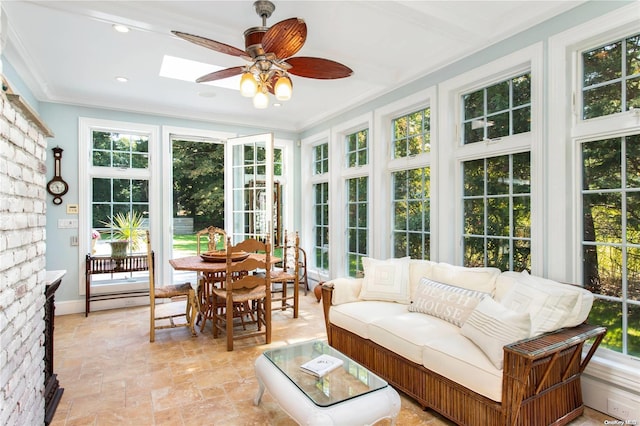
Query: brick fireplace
(23, 151)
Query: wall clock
(57, 186)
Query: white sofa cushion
(356, 317)
(386, 280)
(450, 303)
(504, 282)
(480, 279)
(417, 270)
(407, 333)
(345, 290)
(491, 326)
(457, 358)
(550, 304)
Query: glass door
(249, 210)
(193, 182)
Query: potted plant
(126, 229)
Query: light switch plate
(67, 223)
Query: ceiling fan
(270, 52)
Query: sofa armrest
(337, 292)
(541, 364)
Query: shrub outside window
(321, 225)
(321, 159)
(411, 213)
(496, 111)
(358, 148)
(497, 212)
(357, 223)
(611, 238)
(412, 134)
(611, 78)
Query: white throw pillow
(491, 326)
(386, 280)
(479, 279)
(447, 302)
(549, 306)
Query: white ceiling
(67, 51)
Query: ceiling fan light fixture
(261, 100)
(248, 85)
(283, 88)
(271, 53)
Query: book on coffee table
(321, 365)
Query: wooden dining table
(212, 274)
(197, 264)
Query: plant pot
(119, 249)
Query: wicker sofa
(437, 333)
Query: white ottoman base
(361, 410)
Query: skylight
(188, 70)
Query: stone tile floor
(112, 375)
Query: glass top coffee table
(349, 394)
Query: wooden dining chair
(246, 293)
(216, 241)
(286, 272)
(170, 291)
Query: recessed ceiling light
(122, 79)
(277, 105)
(121, 28)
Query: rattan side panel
(428, 388)
(557, 400)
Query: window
(611, 78)
(357, 148)
(357, 223)
(277, 162)
(410, 181)
(411, 134)
(496, 111)
(604, 190)
(497, 212)
(611, 237)
(321, 225)
(321, 159)
(119, 188)
(411, 212)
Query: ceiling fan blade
(285, 38)
(219, 75)
(323, 69)
(210, 44)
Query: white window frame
(452, 153)
(616, 374)
(384, 155)
(338, 195)
(85, 173)
(308, 180)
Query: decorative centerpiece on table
(126, 230)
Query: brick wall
(22, 268)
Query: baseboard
(69, 307)
(612, 388)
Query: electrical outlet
(620, 410)
(74, 240)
